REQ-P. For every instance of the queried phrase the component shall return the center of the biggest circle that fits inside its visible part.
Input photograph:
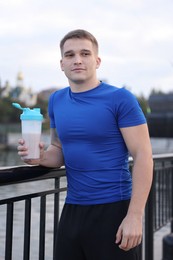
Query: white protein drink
(32, 141)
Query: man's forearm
(52, 157)
(141, 184)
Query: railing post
(168, 239)
(149, 252)
(42, 228)
(9, 232)
(27, 230)
(172, 197)
(56, 212)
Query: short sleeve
(50, 111)
(129, 112)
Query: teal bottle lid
(29, 114)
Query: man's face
(79, 61)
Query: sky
(135, 41)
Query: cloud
(135, 37)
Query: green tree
(8, 113)
(144, 104)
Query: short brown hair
(79, 34)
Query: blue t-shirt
(96, 157)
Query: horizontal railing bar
(28, 173)
(162, 156)
(20, 174)
(31, 195)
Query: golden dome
(20, 76)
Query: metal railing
(23, 175)
(159, 209)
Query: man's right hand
(23, 151)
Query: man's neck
(83, 86)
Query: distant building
(19, 92)
(5, 91)
(160, 118)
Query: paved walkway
(158, 241)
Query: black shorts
(88, 233)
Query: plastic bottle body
(31, 124)
(31, 133)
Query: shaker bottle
(31, 123)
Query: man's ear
(98, 62)
(61, 65)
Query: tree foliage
(144, 104)
(9, 114)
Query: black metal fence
(25, 175)
(159, 209)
